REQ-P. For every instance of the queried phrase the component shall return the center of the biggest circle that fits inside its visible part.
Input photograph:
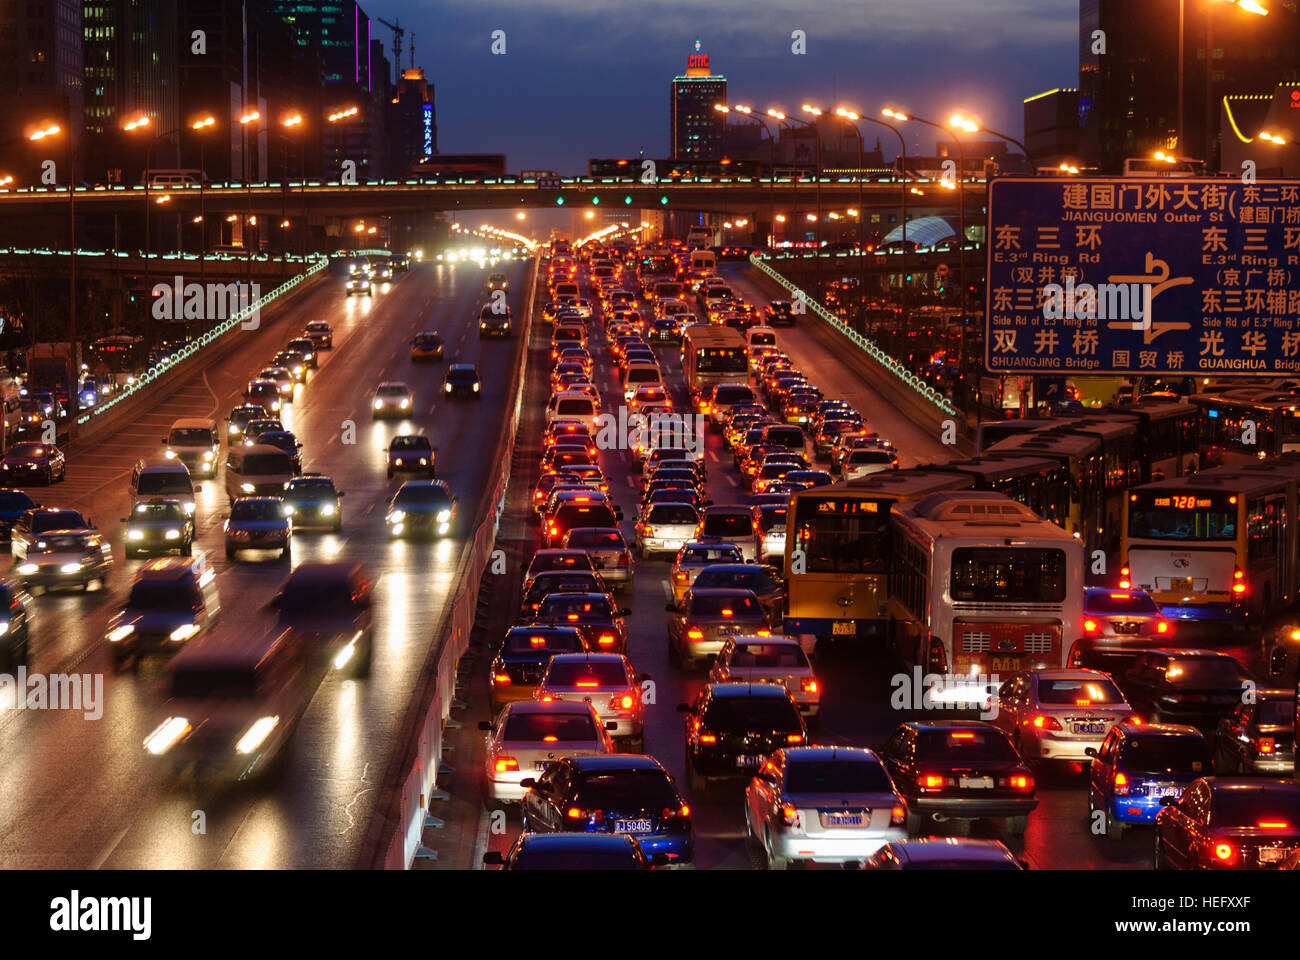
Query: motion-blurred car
(13, 504)
(31, 524)
(311, 500)
(66, 557)
(529, 736)
(329, 602)
(27, 462)
(171, 602)
(258, 523)
(427, 346)
(1168, 685)
(824, 805)
(422, 507)
(1258, 737)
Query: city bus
(1041, 483)
(837, 551)
(121, 353)
(713, 354)
(1225, 419)
(1216, 545)
(991, 431)
(981, 585)
(1121, 466)
(1082, 455)
(1169, 437)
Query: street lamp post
(853, 116)
(970, 126)
(771, 143)
(1250, 6)
(74, 369)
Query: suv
(331, 602)
(194, 442)
(171, 602)
(493, 322)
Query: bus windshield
(721, 360)
(841, 535)
(1008, 575)
(1174, 516)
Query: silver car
(665, 527)
(609, 553)
(754, 659)
(823, 804)
(604, 680)
(693, 558)
(705, 620)
(530, 735)
(734, 524)
(66, 557)
(1059, 714)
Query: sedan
(823, 805)
(538, 588)
(696, 556)
(606, 681)
(312, 501)
(258, 523)
(410, 453)
(522, 660)
(15, 607)
(427, 346)
(421, 506)
(66, 557)
(461, 380)
(392, 399)
(765, 582)
(705, 620)
(159, 525)
(1059, 714)
(770, 660)
(26, 462)
(592, 614)
(665, 528)
(732, 727)
(529, 736)
(616, 794)
(1197, 687)
(608, 551)
(1228, 824)
(1258, 737)
(286, 441)
(1117, 626)
(28, 528)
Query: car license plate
(975, 783)
(1162, 790)
(748, 760)
(1180, 583)
(1089, 728)
(842, 819)
(842, 628)
(1271, 854)
(1005, 664)
(632, 826)
(728, 631)
(541, 766)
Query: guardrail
(397, 833)
(905, 377)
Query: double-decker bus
(1246, 424)
(1215, 545)
(713, 354)
(837, 551)
(981, 584)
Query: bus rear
(712, 355)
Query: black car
(461, 379)
(286, 441)
(731, 727)
(494, 321)
(961, 770)
(14, 606)
(1195, 687)
(1258, 737)
(311, 500)
(574, 851)
(13, 504)
(411, 453)
(519, 665)
(1223, 823)
(779, 312)
(25, 462)
(613, 793)
(331, 603)
(538, 588)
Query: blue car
(573, 851)
(613, 793)
(13, 504)
(258, 523)
(1137, 765)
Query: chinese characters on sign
(1143, 276)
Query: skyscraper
(698, 130)
(40, 68)
(413, 123)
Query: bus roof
(1048, 443)
(1248, 397)
(995, 465)
(893, 484)
(1148, 410)
(1246, 479)
(1106, 426)
(713, 335)
(974, 513)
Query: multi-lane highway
(78, 793)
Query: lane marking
(668, 590)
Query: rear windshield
(559, 561)
(870, 456)
(1099, 602)
(585, 607)
(625, 790)
(575, 516)
(729, 553)
(1276, 712)
(596, 539)
(554, 641)
(728, 525)
(571, 673)
(773, 517)
(674, 513)
(256, 510)
(717, 605)
(59, 520)
(266, 464)
(1082, 691)
(1249, 808)
(191, 437)
(1214, 671)
(214, 684)
(562, 728)
(14, 500)
(733, 579)
(728, 393)
(1176, 755)
(161, 596)
(768, 655)
(787, 438)
(577, 406)
(960, 746)
(740, 714)
(836, 776)
(643, 375)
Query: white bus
(982, 585)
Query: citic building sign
(697, 61)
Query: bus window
(841, 536)
(1008, 575)
(1178, 517)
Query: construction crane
(398, 33)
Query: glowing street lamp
(204, 123)
(5, 181)
(250, 117)
(292, 121)
(894, 114)
(136, 124)
(49, 131)
(1067, 168)
(962, 123)
(1272, 138)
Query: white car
(945, 853)
(823, 804)
(868, 460)
(665, 528)
(604, 680)
(530, 735)
(753, 659)
(392, 399)
(1059, 714)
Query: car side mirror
(528, 783)
(485, 724)
(683, 708)
(494, 858)
(1090, 751)
(1277, 662)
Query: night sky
(590, 78)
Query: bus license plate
(1180, 583)
(841, 628)
(1006, 664)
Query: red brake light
(501, 677)
(549, 739)
(574, 813)
(1021, 781)
(963, 736)
(505, 764)
(1274, 825)
(1090, 626)
(606, 639)
(1120, 784)
(695, 633)
(1223, 851)
(1042, 722)
(708, 738)
(1265, 745)
(931, 781)
(626, 702)
(898, 815)
(794, 738)
(789, 814)
(809, 686)
(1162, 626)
(587, 683)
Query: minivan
(741, 525)
(163, 478)
(760, 336)
(571, 405)
(257, 470)
(638, 375)
(195, 443)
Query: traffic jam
(1036, 670)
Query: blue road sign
(1143, 276)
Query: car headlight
(246, 487)
(172, 534)
(446, 386)
(183, 632)
(327, 510)
(258, 732)
(397, 516)
(233, 428)
(378, 403)
(405, 403)
(424, 461)
(189, 508)
(170, 454)
(288, 510)
(69, 568)
(209, 455)
(168, 734)
(135, 534)
(444, 516)
(120, 633)
(444, 527)
(28, 568)
(476, 388)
